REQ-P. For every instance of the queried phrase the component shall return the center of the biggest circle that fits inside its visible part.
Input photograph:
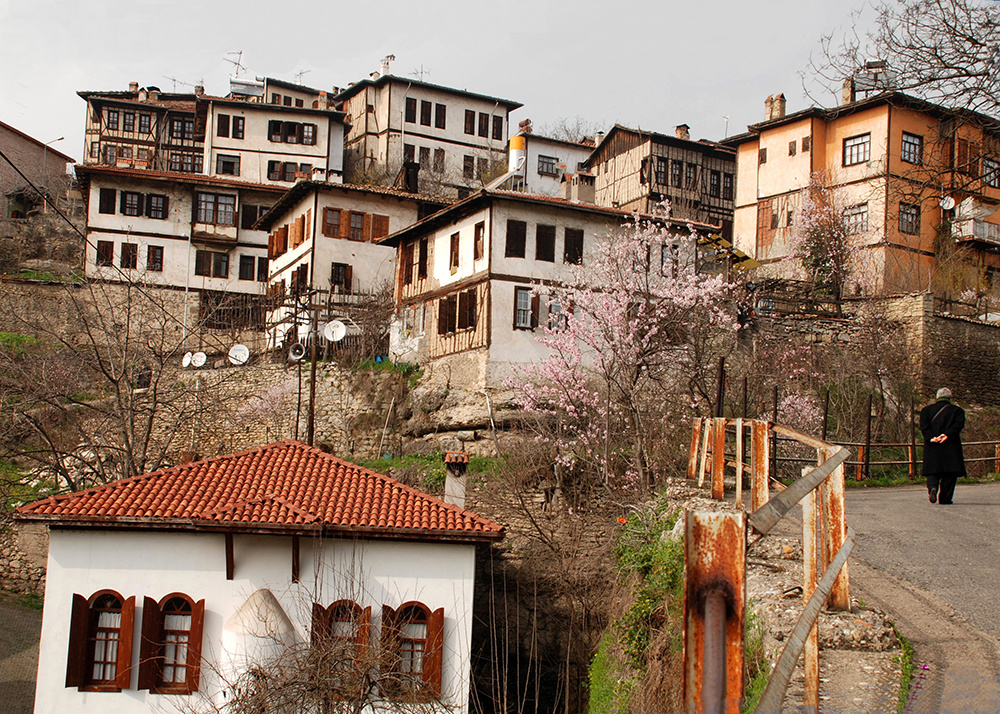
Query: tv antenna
(176, 82)
(237, 63)
(420, 72)
(299, 75)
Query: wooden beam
(230, 558)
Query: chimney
(199, 90)
(578, 188)
(683, 131)
(847, 92)
(133, 87)
(598, 138)
(455, 464)
(769, 108)
(778, 107)
(153, 93)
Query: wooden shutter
(365, 628)
(121, 201)
(349, 279)
(443, 316)
(76, 662)
(515, 309)
(433, 655)
(327, 221)
(471, 317)
(149, 644)
(534, 311)
(380, 226)
(195, 637)
(123, 676)
(390, 639)
(366, 230)
(320, 624)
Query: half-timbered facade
(458, 137)
(638, 170)
(466, 279)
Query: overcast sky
(650, 64)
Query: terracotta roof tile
(286, 485)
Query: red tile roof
(287, 486)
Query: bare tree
(946, 51)
(573, 129)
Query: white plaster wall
(545, 184)
(172, 233)
(156, 564)
(256, 148)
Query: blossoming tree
(632, 337)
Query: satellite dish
(198, 359)
(335, 331)
(296, 352)
(239, 354)
(947, 203)
(186, 360)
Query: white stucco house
(466, 279)
(323, 244)
(162, 589)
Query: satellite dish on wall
(947, 203)
(296, 352)
(198, 359)
(186, 360)
(239, 354)
(335, 331)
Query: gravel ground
(19, 630)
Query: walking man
(941, 424)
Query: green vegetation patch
(905, 659)
(755, 659)
(16, 343)
(609, 687)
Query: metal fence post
(834, 528)
(740, 443)
(719, 459)
(695, 443)
(760, 463)
(810, 551)
(714, 611)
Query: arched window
(170, 650)
(100, 642)
(413, 636)
(342, 622)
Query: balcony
(976, 230)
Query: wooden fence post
(695, 443)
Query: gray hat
(944, 393)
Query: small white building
(458, 137)
(323, 242)
(548, 162)
(466, 279)
(162, 590)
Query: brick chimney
(778, 107)
(133, 87)
(847, 92)
(683, 131)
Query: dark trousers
(945, 485)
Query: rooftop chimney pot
(133, 86)
(683, 131)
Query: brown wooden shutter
(366, 230)
(442, 316)
(380, 226)
(123, 676)
(390, 640)
(433, 654)
(534, 311)
(197, 634)
(327, 222)
(149, 644)
(76, 662)
(471, 317)
(365, 628)
(515, 309)
(320, 624)
(349, 279)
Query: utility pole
(313, 339)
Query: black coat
(943, 458)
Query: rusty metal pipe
(713, 690)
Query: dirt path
(19, 631)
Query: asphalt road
(19, 630)
(936, 570)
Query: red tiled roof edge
(484, 528)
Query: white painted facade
(260, 151)
(360, 263)
(177, 237)
(147, 563)
(547, 161)
(383, 133)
